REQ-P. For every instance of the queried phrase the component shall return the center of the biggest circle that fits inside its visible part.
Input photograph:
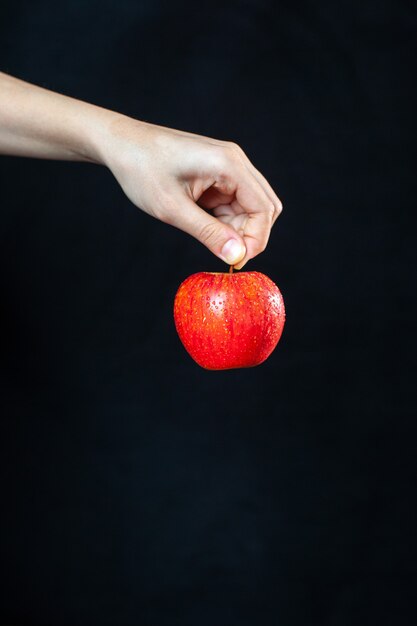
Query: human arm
(204, 186)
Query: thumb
(219, 238)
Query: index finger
(260, 212)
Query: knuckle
(264, 243)
(224, 170)
(261, 245)
(227, 156)
(234, 146)
(208, 234)
(220, 161)
(277, 209)
(271, 210)
(235, 150)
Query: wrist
(112, 136)
(88, 132)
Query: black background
(137, 488)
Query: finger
(268, 189)
(264, 183)
(271, 195)
(260, 214)
(256, 234)
(230, 215)
(218, 237)
(212, 197)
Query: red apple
(229, 320)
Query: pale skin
(206, 187)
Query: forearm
(164, 171)
(36, 122)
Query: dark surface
(137, 488)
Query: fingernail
(233, 251)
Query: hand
(206, 187)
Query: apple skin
(229, 320)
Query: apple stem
(231, 269)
